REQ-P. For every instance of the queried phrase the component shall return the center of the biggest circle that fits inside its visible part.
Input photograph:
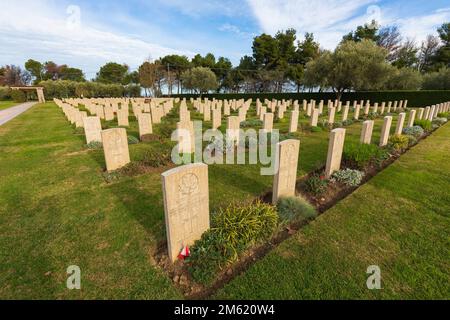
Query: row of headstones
(186, 196)
(186, 191)
(115, 141)
(145, 116)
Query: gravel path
(10, 113)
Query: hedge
(71, 89)
(415, 98)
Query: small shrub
(440, 121)
(398, 142)
(131, 169)
(359, 155)
(78, 130)
(372, 116)
(412, 140)
(251, 123)
(316, 184)
(316, 129)
(295, 209)
(444, 115)
(158, 158)
(287, 136)
(244, 224)
(150, 138)
(323, 124)
(233, 230)
(416, 131)
(349, 177)
(94, 145)
(111, 176)
(347, 122)
(425, 124)
(166, 130)
(133, 140)
(18, 96)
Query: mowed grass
(398, 221)
(7, 104)
(57, 210)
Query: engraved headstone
(115, 147)
(286, 176)
(92, 129)
(186, 206)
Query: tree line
(368, 58)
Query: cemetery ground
(59, 208)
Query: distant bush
(349, 177)
(295, 209)
(233, 229)
(416, 131)
(18, 96)
(398, 142)
(316, 129)
(359, 155)
(316, 184)
(425, 124)
(404, 79)
(437, 80)
(68, 89)
(5, 93)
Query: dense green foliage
(199, 79)
(233, 229)
(5, 93)
(359, 155)
(295, 209)
(424, 124)
(349, 177)
(67, 89)
(316, 184)
(18, 96)
(399, 142)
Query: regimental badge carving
(189, 184)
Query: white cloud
(43, 33)
(203, 8)
(419, 27)
(327, 19)
(227, 27)
(330, 20)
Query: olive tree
(352, 66)
(200, 79)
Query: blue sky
(87, 34)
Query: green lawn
(57, 210)
(398, 221)
(7, 104)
